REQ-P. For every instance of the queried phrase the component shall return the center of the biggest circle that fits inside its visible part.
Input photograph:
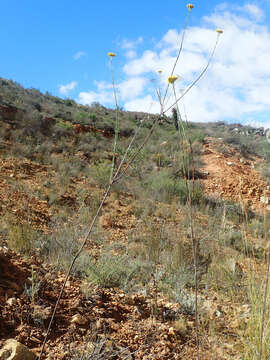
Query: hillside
(132, 293)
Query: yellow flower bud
(111, 54)
(190, 6)
(172, 79)
(219, 31)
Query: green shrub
(22, 237)
(101, 173)
(165, 188)
(117, 271)
(60, 247)
(62, 128)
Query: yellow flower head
(172, 79)
(190, 6)
(111, 54)
(219, 31)
(159, 71)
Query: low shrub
(22, 237)
(101, 173)
(166, 188)
(117, 271)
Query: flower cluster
(172, 79)
(190, 6)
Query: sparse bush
(265, 171)
(101, 173)
(62, 129)
(164, 188)
(117, 271)
(22, 237)
(252, 323)
(22, 150)
(60, 247)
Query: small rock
(41, 313)
(13, 350)
(264, 200)
(78, 319)
(11, 301)
(229, 163)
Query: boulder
(13, 350)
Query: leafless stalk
(184, 139)
(115, 178)
(197, 79)
(264, 297)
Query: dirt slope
(232, 177)
(122, 323)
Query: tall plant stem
(186, 171)
(198, 78)
(178, 54)
(116, 127)
(265, 296)
(85, 239)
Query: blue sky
(61, 47)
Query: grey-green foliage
(166, 188)
(117, 271)
(101, 172)
(60, 247)
(22, 237)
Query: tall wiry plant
(117, 173)
(188, 161)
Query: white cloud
(237, 83)
(79, 54)
(87, 98)
(126, 90)
(254, 11)
(103, 85)
(64, 89)
(130, 54)
(146, 103)
(132, 87)
(131, 44)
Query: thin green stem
(157, 90)
(265, 297)
(179, 53)
(197, 79)
(85, 239)
(195, 245)
(116, 128)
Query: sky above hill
(61, 47)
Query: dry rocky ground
(109, 323)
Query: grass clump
(101, 173)
(252, 329)
(116, 271)
(166, 188)
(22, 237)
